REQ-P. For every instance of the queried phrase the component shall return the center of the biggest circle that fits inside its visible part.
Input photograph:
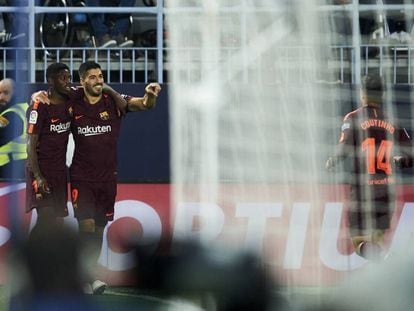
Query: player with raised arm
(373, 141)
(93, 172)
(49, 123)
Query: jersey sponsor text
(60, 128)
(94, 130)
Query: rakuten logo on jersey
(60, 127)
(94, 130)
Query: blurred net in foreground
(250, 133)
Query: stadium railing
(28, 61)
(141, 64)
(397, 60)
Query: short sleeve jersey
(371, 139)
(52, 124)
(95, 129)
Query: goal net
(253, 110)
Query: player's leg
(45, 214)
(361, 232)
(59, 185)
(382, 222)
(42, 202)
(357, 240)
(371, 245)
(91, 242)
(98, 286)
(50, 207)
(357, 226)
(83, 201)
(105, 201)
(377, 236)
(367, 248)
(60, 221)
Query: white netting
(255, 112)
(247, 118)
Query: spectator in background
(12, 132)
(14, 25)
(6, 94)
(111, 30)
(400, 34)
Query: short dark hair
(86, 66)
(54, 69)
(373, 86)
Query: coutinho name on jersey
(377, 123)
(94, 130)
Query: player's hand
(153, 89)
(330, 164)
(151, 94)
(3, 121)
(41, 96)
(401, 161)
(43, 186)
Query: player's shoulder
(106, 98)
(76, 92)
(37, 105)
(108, 101)
(351, 115)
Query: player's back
(373, 137)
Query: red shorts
(94, 200)
(58, 198)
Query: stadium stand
(385, 37)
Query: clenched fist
(153, 88)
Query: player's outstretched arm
(148, 101)
(42, 184)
